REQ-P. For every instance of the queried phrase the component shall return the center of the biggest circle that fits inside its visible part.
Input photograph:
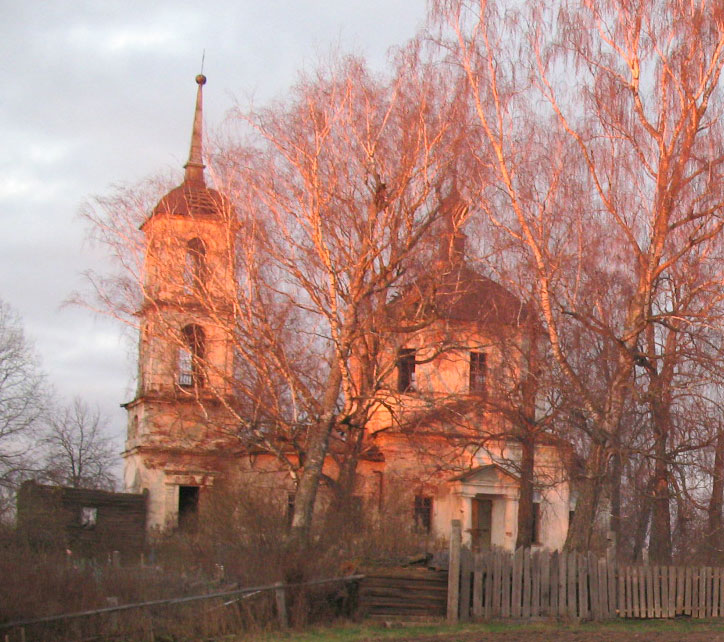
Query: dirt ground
(575, 636)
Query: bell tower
(179, 426)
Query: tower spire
(454, 210)
(195, 165)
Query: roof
(456, 292)
(462, 294)
(193, 199)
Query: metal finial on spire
(195, 165)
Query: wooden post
(280, 596)
(453, 574)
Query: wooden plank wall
(403, 592)
(534, 583)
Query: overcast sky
(97, 93)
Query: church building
(442, 443)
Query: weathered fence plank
(605, 609)
(535, 572)
(453, 582)
(545, 583)
(643, 596)
(664, 591)
(715, 593)
(593, 588)
(526, 583)
(695, 592)
(517, 583)
(466, 570)
(612, 603)
(554, 564)
(478, 585)
(505, 588)
(582, 586)
(497, 572)
(650, 593)
(635, 591)
(533, 583)
(562, 583)
(572, 601)
(488, 595)
(622, 604)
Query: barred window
(190, 357)
(478, 373)
(423, 513)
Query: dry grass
(235, 544)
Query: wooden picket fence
(537, 583)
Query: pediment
(489, 474)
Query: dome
(195, 200)
(461, 294)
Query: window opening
(195, 267)
(478, 372)
(133, 428)
(88, 516)
(406, 370)
(423, 513)
(188, 507)
(190, 357)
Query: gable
(489, 474)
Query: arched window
(191, 356)
(195, 266)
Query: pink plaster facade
(440, 447)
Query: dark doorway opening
(482, 523)
(188, 507)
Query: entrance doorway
(482, 523)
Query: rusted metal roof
(194, 200)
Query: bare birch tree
(77, 451)
(345, 178)
(23, 400)
(602, 125)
